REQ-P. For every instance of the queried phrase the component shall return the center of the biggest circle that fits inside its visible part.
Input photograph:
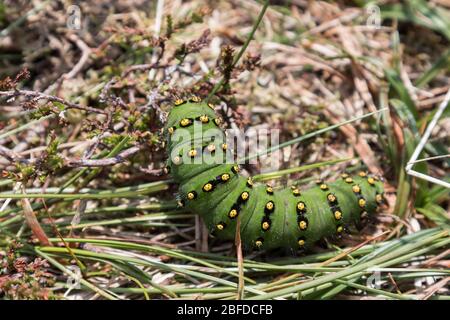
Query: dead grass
(87, 121)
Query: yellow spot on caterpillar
(225, 177)
(235, 169)
(362, 203)
(191, 195)
(331, 197)
(204, 119)
(224, 146)
(356, 189)
(171, 130)
(265, 225)
(323, 186)
(371, 180)
(211, 105)
(176, 160)
(179, 102)
(192, 153)
(250, 182)
(269, 205)
(258, 243)
(344, 175)
(303, 225)
(379, 198)
(301, 206)
(220, 226)
(338, 215)
(207, 187)
(349, 180)
(233, 213)
(362, 174)
(301, 242)
(196, 99)
(245, 195)
(217, 121)
(296, 192)
(211, 148)
(269, 189)
(339, 229)
(185, 122)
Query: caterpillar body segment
(213, 187)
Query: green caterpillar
(269, 218)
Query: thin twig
(9, 154)
(35, 95)
(85, 53)
(121, 157)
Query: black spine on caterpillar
(213, 187)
